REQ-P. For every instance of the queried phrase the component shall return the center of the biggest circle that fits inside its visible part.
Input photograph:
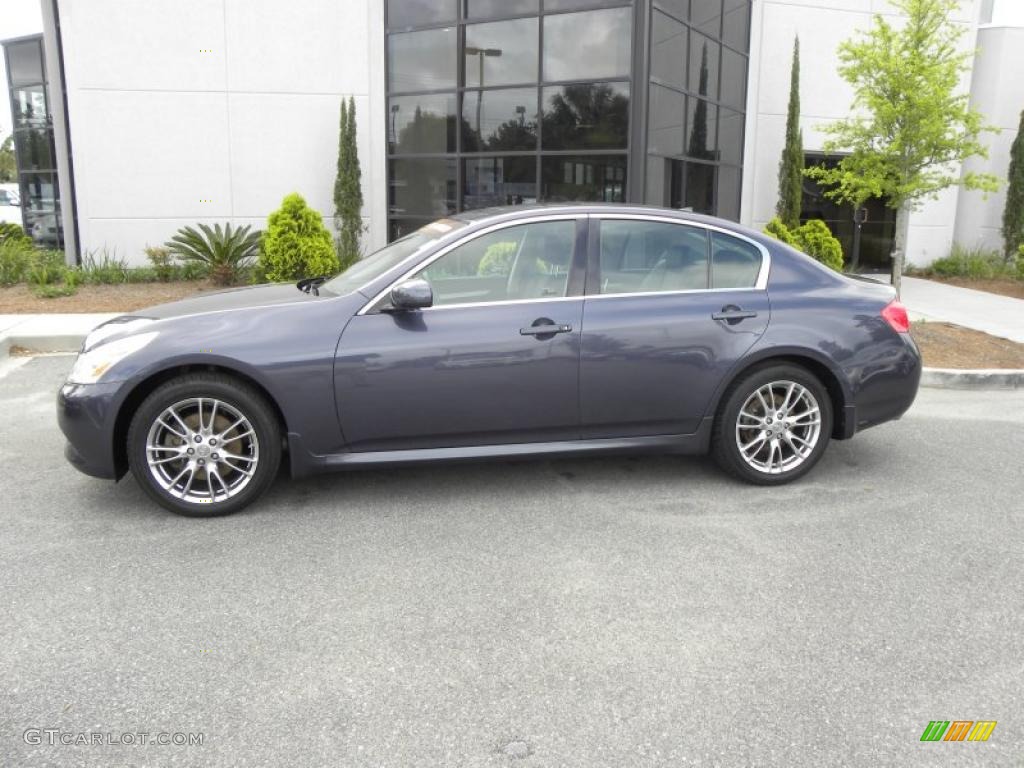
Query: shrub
(497, 259)
(54, 290)
(162, 260)
(143, 275)
(973, 263)
(15, 257)
(105, 269)
(226, 252)
(10, 232)
(45, 268)
(813, 238)
(1020, 262)
(72, 277)
(296, 244)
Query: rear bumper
(888, 383)
(86, 415)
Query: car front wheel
(773, 425)
(203, 445)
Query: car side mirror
(412, 294)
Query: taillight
(895, 314)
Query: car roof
(511, 212)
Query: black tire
(724, 446)
(235, 394)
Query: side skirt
(303, 463)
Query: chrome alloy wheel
(778, 427)
(202, 450)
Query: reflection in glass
(29, 104)
(668, 51)
(40, 207)
(706, 15)
(33, 149)
(730, 136)
(504, 119)
(699, 189)
(421, 187)
(734, 79)
(421, 123)
(594, 178)
(678, 8)
(665, 121)
(482, 9)
(422, 61)
(489, 181)
(550, 6)
(414, 13)
(701, 130)
(704, 66)
(586, 116)
(501, 53)
(25, 62)
(401, 227)
(728, 197)
(587, 46)
(736, 24)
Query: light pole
(394, 134)
(480, 53)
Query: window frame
(574, 283)
(593, 281)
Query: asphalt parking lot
(598, 612)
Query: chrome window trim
(366, 308)
(762, 276)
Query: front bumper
(87, 414)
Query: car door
(670, 308)
(494, 360)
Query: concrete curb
(989, 378)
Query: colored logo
(958, 730)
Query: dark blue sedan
(534, 331)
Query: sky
(17, 18)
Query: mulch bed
(1012, 288)
(944, 345)
(125, 297)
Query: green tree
(348, 192)
(8, 168)
(296, 244)
(1013, 213)
(699, 132)
(791, 164)
(909, 130)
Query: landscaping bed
(122, 297)
(1004, 287)
(944, 345)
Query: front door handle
(733, 314)
(545, 330)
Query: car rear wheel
(204, 445)
(773, 425)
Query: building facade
(197, 111)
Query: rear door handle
(729, 314)
(545, 330)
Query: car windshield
(379, 262)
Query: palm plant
(225, 252)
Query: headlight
(117, 325)
(90, 366)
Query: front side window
(527, 261)
(649, 257)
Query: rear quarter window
(735, 263)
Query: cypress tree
(791, 165)
(1013, 213)
(348, 193)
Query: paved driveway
(600, 612)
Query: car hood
(235, 298)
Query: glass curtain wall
(33, 141)
(505, 102)
(696, 104)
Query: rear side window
(650, 256)
(735, 263)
